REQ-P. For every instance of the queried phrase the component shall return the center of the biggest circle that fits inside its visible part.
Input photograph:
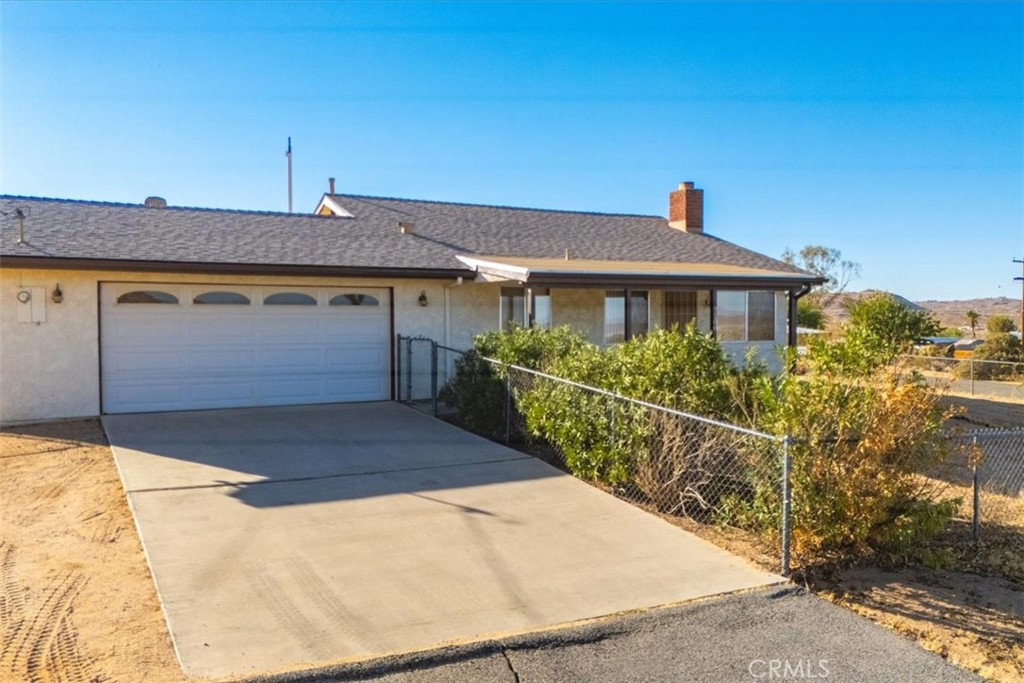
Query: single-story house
(109, 308)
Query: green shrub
(530, 347)
(478, 395)
(887, 324)
(860, 444)
(1000, 324)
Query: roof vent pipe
(330, 185)
(156, 202)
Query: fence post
(409, 371)
(398, 368)
(976, 507)
(433, 375)
(787, 465)
(508, 406)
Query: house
(108, 308)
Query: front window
(745, 316)
(513, 307)
(680, 309)
(615, 315)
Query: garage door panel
(144, 362)
(182, 356)
(223, 360)
(214, 392)
(308, 358)
(142, 396)
(211, 330)
(371, 357)
(144, 329)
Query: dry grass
(77, 602)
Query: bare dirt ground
(77, 602)
(982, 412)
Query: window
(680, 309)
(513, 307)
(147, 297)
(761, 316)
(289, 299)
(731, 316)
(222, 298)
(353, 299)
(745, 316)
(615, 315)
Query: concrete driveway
(284, 537)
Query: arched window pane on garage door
(354, 299)
(148, 296)
(289, 299)
(222, 298)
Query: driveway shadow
(337, 452)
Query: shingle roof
(71, 229)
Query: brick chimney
(686, 208)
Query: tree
(972, 319)
(884, 320)
(809, 315)
(827, 263)
(1000, 324)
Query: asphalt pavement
(770, 634)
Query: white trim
(334, 207)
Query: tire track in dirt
(44, 647)
(12, 599)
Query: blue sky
(893, 132)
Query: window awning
(549, 272)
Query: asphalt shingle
(72, 229)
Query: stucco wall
(582, 309)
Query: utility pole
(1021, 262)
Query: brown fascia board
(54, 263)
(640, 282)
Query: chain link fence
(1001, 380)
(988, 465)
(671, 462)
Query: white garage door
(181, 347)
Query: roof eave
(55, 263)
(587, 280)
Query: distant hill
(954, 313)
(949, 313)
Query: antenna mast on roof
(289, 155)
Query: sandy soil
(982, 412)
(974, 621)
(77, 602)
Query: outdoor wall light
(57, 295)
(423, 298)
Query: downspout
(793, 298)
(448, 309)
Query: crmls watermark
(779, 669)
